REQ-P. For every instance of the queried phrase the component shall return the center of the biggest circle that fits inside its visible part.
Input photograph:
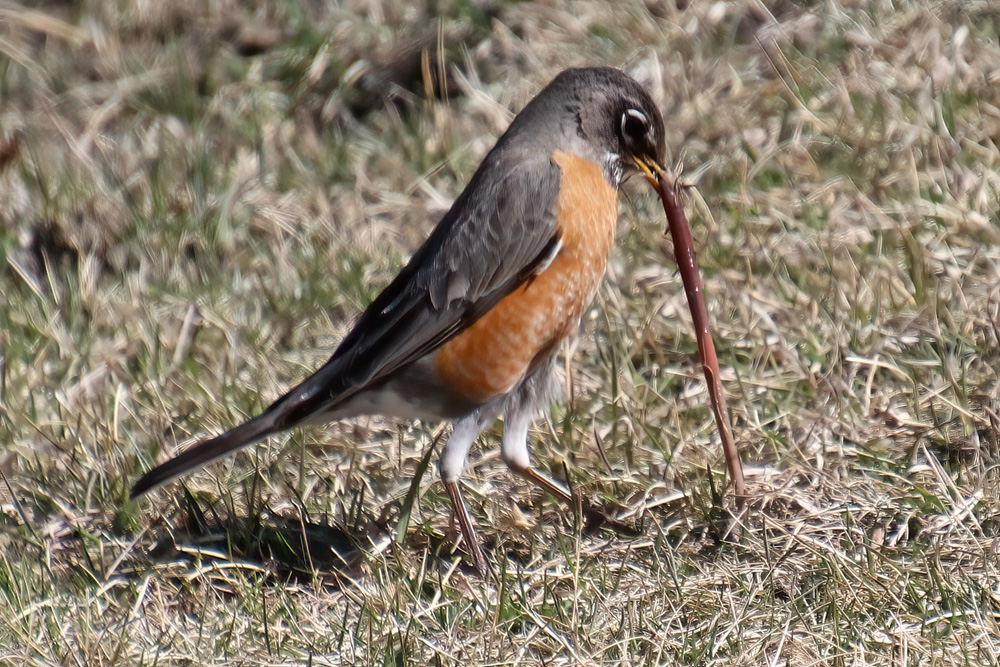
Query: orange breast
(493, 354)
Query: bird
(470, 328)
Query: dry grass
(197, 197)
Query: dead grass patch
(196, 198)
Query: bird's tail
(316, 398)
(205, 452)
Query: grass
(196, 200)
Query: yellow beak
(651, 169)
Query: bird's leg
(456, 449)
(469, 535)
(544, 481)
(514, 450)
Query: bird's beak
(651, 169)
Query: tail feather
(205, 452)
(317, 396)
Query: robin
(470, 328)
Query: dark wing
(496, 235)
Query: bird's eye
(635, 125)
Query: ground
(197, 198)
